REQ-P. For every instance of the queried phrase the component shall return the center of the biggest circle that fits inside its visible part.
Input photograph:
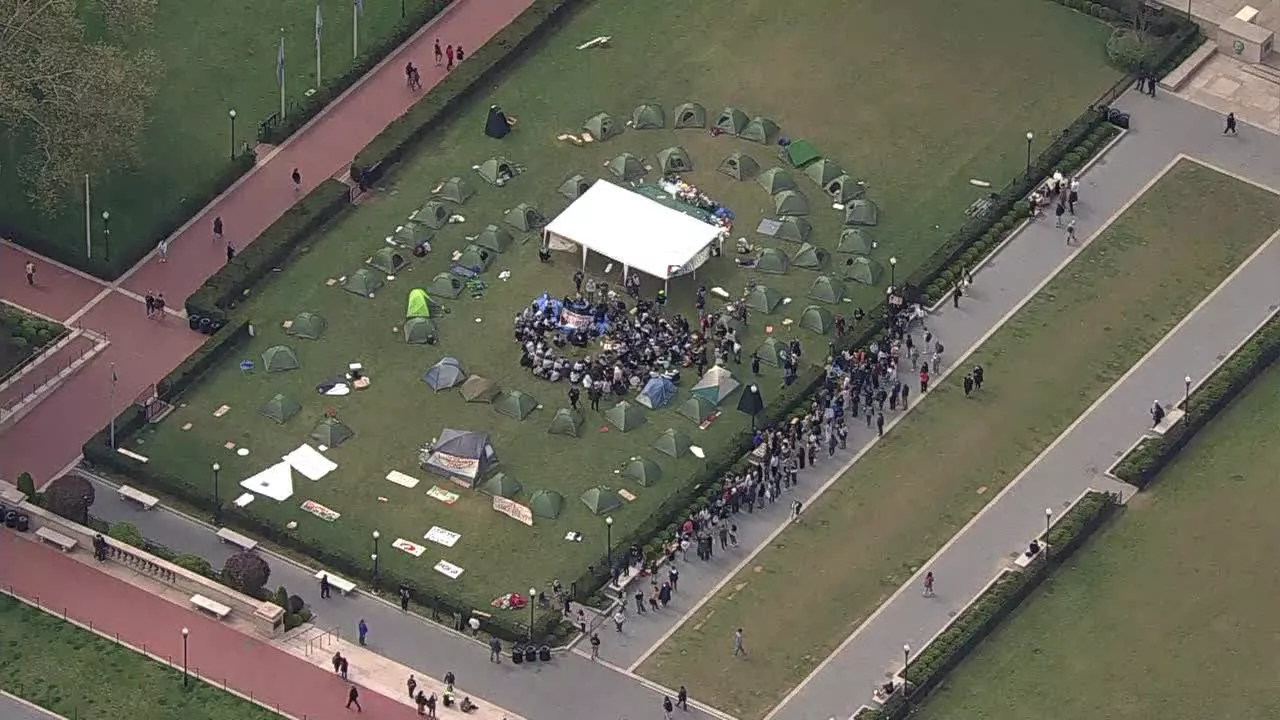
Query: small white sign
(412, 548)
(440, 536)
(448, 569)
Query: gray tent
(388, 260)
(823, 171)
(827, 289)
(818, 319)
(363, 282)
(497, 170)
(566, 422)
(494, 238)
(331, 432)
(862, 269)
(791, 202)
(775, 180)
(476, 258)
(674, 160)
(760, 129)
(772, 351)
(643, 471)
(462, 456)
(421, 331)
(862, 212)
(773, 261)
(412, 233)
(445, 285)
(524, 217)
(515, 404)
(574, 187)
(844, 189)
(763, 299)
(689, 115)
(627, 167)
(716, 385)
(600, 500)
(856, 241)
(500, 485)
(807, 257)
(602, 126)
(625, 416)
(447, 373)
(546, 504)
(455, 189)
(697, 409)
(434, 214)
(280, 408)
(648, 116)
(739, 166)
(731, 120)
(308, 326)
(279, 358)
(795, 229)
(479, 389)
(673, 442)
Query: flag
(360, 6)
(280, 63)
(319, 23)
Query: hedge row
(298, 224)
(1145, 461)
(981, 617)
(1159, 22)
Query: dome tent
(761, 129)
(476, 258)
(791, 202)
(775, 180)
(807, 257)
(648, 116)
(773, 261)
(546, 504)
(763, 299)
(673, 442)
(419, 304)
(844, 189)
(331, 432)
(827, 289)
(496, 124)
(308, 326)
(455, 189)
(446, 285)
(862, 269)
(823, 171)
(856, 241)
(515, 404)
(674, 160)
(657, 393)
(730, 120)
(643, 471)
(494, 238)
(697, 409)
(772, 351)
(689, 115)
(574, 187)
(447, 373)
(388, 260)
(524, 217)
(625, 416)
(432, 214)
(460, 455)
(362, 282)
(412, 233)
(500, 485)
(600, 500)
(627, 167)
(280, 408)
(716, 385)
(421, 331)
(739, 166)
(801, 152)
(602, 126)
(818, 319)
(479, 389)
(862, 212)
(279, 358)
(795, 229)
(566, 422)
(497, 170)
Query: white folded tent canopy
(629, 228)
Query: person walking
(968, 384)
(297, 181)
(439, 53)
(448, 53)
(956, 294)
(618, 619)
(880, 425)
(217, 229)
(666, 707)
(595, 647)
(977, 377)
(1071, 233)
(928, 584)
(1073, 195)
(344, 665)
(404, 599)
(795, 510)
(738, 649)
(495, 650)
(682, 699)
(1157, 413)
(163, 250)
(231, 252)
(325, 589)
(1231, 124)
(412, 684)
(30, 270)
(924, 380)
(363, 629)
(1058, 212)
(337, 663)
(353, 698)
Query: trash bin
(544, 653)
(517, 654)
(24, 523)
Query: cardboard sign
(320, 511)
(412, 548)
(513, 510)
(448, 569)
(444, 496)
(440, 536)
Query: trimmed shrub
(246, 572)
(27, 485)
(129, 533)
(195, 564)
(70, 496)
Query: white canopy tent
(632, 229)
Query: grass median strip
(805, 593)
(1162, 607)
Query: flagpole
(319, 26)
(113, 406)
(282, 73)
(88, 222)
(355, 30)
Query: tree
(128, 533)
(246, 572)
(27, 486)
(77, 101)
(70, 496)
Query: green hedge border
(16, 317)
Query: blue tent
(657, 393)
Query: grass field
(216, 57)
(72, 672)
(914, 490)
(760, 57)
(1163, 609)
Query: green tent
(565, 422)
(494, 238)
(627, 167)
(673, 442)
(476, 258)
(807, 257)
(800, 153)
(772, 351)
(455, 189)
(388, 260)
(648, 116)
(363, 282)
(279, 358)
(308, 326)
(434, 214)
(500, 485)
(674, 160)
(775, 180)
(574, 187)
(601, 126)
(412, 233)
(331, 433)
(731, 120)
(844, 189)
(697, 409)
(546, 504)
(763, 299)
(419, 305)
(862, 269)
(862, 212)
(739, 166)
(515, 404)
(524, 217)
(715, 385)
(817, 319)
(856, 241)
(497, 170)
(791, 202)
(827, 289)
(642, 471)
(280, 408)
(795, 229)
(689, 115)
(761, 129)
(625, 416)
(479, 389)
(446, 285)
(421, 331)
(600, 500)
(773, 261)
(824, 171)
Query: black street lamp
(374, 556)
(1048, 521)
(893, 266)
(533, 593)
(185, 633)
(1186, 398)
(232, 114)
(85, 520)
(608, 541)
(217, 503)
(1030, 136)
(906, 663)
(106, 236)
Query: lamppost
(401, 9)
(374, 557)
(217, 503)
(87, 501)
(906, 663)
(106, 236)
(893, 265)
(533, 593)
(1030, 136)
(1186, 398)
(608, 540)
(1048, 521)
(232, 114)
(185, 633)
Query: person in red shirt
(924, 380)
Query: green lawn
(929, 476)
(72, 672)
(216, 57)
(1164, 613)
(809, 67)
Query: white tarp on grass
(308, 461)
(276, 482)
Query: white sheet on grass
(308, 461)
(276, 482)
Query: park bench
(145, 501)
(56, 539)
(228, 535)
(213, 607)
(342, 585)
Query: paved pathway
(14, 709)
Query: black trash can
(517, 654)
(531, 653)
(544, 653)
(193, 322)
(11, 520)
(24, 523)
